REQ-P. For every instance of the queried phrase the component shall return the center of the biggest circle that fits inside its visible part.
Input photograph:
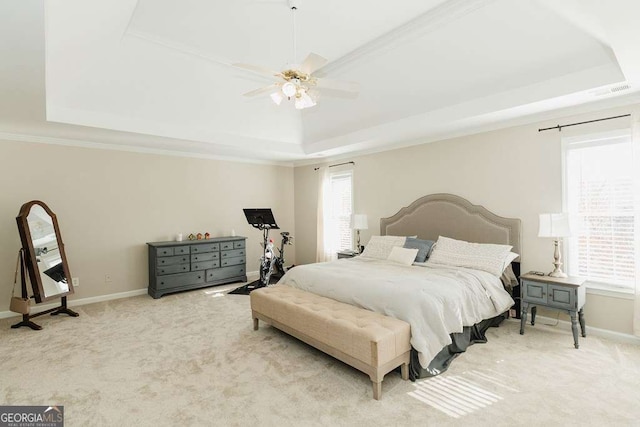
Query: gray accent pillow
(423, 246)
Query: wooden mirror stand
(45, 260)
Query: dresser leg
(523, 316)
(574, 328)
(583, 327)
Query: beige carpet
(192, 359)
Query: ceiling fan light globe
(277, 98)
(304, 101)
(289, 89)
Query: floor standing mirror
(44, 259)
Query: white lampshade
(554, 225)
(359, 222)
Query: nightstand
(566, 294)
(347, 254)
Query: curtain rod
(339, 164)
(559, 127)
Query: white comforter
(436, 301)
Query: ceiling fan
(300, 82)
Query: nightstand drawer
(562, 297)
(534, 291)
(549, 294)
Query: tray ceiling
(157, 74)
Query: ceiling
(155, 75)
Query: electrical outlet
(75, 282)
(107, 278)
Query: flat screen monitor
(260, 218)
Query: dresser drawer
(171, 269)
(226, 246)
(181, 250)
(206, 256)
(225, 273)
(176, 280)
(203, 265)
(232, 261)
(233, 253)
(164, 251)
(206, 247)
(171, 260)
(239, 245)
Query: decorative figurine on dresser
(180, 266)
(560, 293)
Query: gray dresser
(179, 266)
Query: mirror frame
(30, 255)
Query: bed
(448, 307)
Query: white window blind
(600, 194)
(341, 200)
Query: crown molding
(631, 101)
(423, 24)
(37, 139)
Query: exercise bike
(272, 265)
(263, 220)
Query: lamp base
(559, 274)
(557, 262)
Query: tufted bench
(371, 342)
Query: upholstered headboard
(452, 216)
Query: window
(340, 207)
(600, 197)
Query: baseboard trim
(79, 302)
(598, 332)
(251, 276)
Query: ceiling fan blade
(312, 62)
(339, 85)
(257, 69)
(262, 90)
(334, 93)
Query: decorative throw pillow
(480, 256)
(403, 256)
(379, 247)
(423, 246)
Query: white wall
(514, 172)
(110, 203)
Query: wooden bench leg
(255, 323)
(404, 371)
(377, 390)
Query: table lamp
(555, 225)
(359, 222)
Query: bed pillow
(423, 246)
(404, 256)
(508, 278)
(379, 247)
(480, 256)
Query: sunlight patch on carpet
(461, 395)
(215, 294)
